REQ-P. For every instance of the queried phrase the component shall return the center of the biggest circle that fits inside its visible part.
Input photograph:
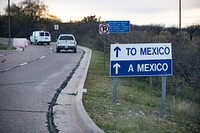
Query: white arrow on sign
(116, 66)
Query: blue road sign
(119, 26)
(153, 59)
(141, 68)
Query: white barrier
(4, 41)
(20, 42)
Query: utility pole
(9, 34)
(179, 14)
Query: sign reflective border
(152, 59)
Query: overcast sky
(164, 12)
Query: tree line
(26, 16)
(31, 15)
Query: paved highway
(28, 82)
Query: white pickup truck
(40, 37)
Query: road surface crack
(50, 119)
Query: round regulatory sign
(104, 29)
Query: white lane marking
(10, 68)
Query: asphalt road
(28, 81)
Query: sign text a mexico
(150, 59)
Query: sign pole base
(114, 96)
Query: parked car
(66, 42)
(40, 37)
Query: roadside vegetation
(3, 47)
(138, 104)
(138, 107)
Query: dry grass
(186, 107)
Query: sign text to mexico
(151, 59)
(119, 26)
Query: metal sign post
(114, 96)
(104, 29)
(9, 29)
(163, 95)
(104, 50)
(56, 27)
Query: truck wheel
(75, 50)
(57, 50)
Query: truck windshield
(66, 38)
(41, 33)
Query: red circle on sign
(104, 29)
